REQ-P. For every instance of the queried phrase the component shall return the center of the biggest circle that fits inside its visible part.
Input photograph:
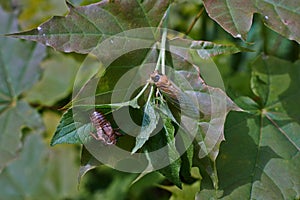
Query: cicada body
(104, 130)
(166, 86)
(175, 95)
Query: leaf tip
(52, 143)
(69, 4)
(134, 150)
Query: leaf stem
(216, 179)
(150, 94)
(133, 103)
(141, 92)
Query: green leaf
(186, 159)
(150, 120)
(261, 156)
(70, 131)
(16, 184)
(58, 77)
(12, 121)
(56, 185)
(236, 16)
(18, 72)
(85, 27)
(183, 143)
(248, 104)
(172, 171)
(42, 176)
(188, 192)
(165, 138)
(75, 126)
(144, 58)
(110, 84)
(282, 88)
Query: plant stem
(163, 51)
(194, 21)
(158, 60)
(163, 41)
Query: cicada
(175, 95)
(104, 130)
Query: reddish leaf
(84, 27)
(235, 16)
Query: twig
(195, 20)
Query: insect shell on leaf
(104, 131)
(166, 86)
(175, 95)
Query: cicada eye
(156, 78)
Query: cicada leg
(115, 131)
(99, 136)
(112, 139)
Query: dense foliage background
(259, 158)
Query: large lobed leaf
(32, 158)
(261, 159)
(18, 72)
(213, 105)
(85, 27)
(34, 174)
(235, 16)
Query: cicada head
(160, 80)
(155, 76)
